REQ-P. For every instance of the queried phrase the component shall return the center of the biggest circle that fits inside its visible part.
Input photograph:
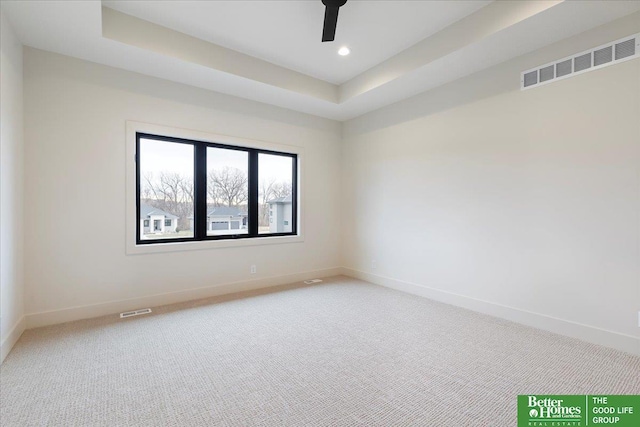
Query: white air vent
(582, 62)
(135, 313)
(564, 68)
(626, 48)
(602, 56)
(593, 59)
(531, 78)
(547, 73)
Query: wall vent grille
(582, 62)
(564, 68)
(531, 78)
(593, 59)
(602, 56)
(547, 73)
(625, 49)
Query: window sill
(134, 249)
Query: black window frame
(200, 191)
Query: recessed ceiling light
(344, 51)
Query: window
(227, 190)
(165, 188)
(276, 177)
(211, 191)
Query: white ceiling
(270, 51)
(288, 33)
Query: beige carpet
(343, 353)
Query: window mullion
(200, 191)
(294, 195)
(252, 203)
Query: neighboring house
(224, 218)
(280, 214)
(156, 221)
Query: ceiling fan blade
(330, 22)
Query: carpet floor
(342, 353)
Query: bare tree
(281, 189)
(266, 194)
(187, 205)
(174, 193)
(170, 189)
(171, 192)
(228, 186)
(148, 186)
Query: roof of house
(226, 211)
(286, 199)
(147, 210)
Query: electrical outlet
(374, 264)
(253, 269)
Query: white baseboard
(35, 320)
(12, 338)
(623, 342)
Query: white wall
(522, 204)
(75, 114)
(11, 189)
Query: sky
(161, 156)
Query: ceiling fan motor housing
(334, 3)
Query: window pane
(227, 191)
(166, 189)
(274, 194)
